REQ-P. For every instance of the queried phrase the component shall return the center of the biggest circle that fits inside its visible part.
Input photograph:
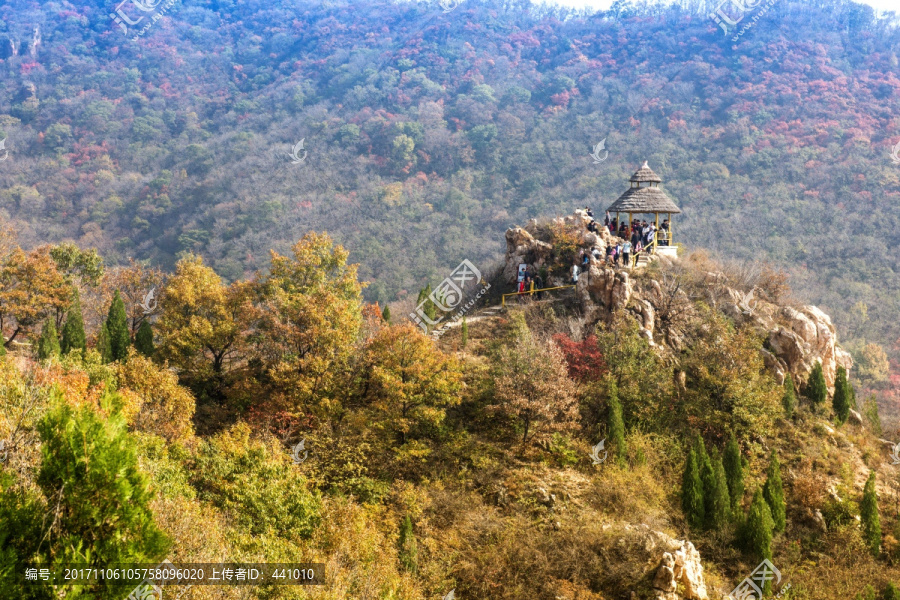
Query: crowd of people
(637, 238)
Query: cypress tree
(789, 399)
(464, 333)
(409, 552)
(816, 390)
(48, 343)
(429, 308)
(773, 491)
(143, 339)
(73, 337)
(615, 423)
(718, 503)
(103, 346)
(758, 531)
(840, 402)
(105, 507)
(117, 329)
(868, 513)
(692, 492)
(386, 314)
(734, 473)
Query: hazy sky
(604, 4)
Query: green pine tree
(143, 339)
(840, 402)
(816, 390)
(692, 492)
(117, 328)
(891, 592)
(103, 345)
(871, 521)
(734, 474)
(789, 399)
(758, 531)
(717, 502)
(615, 424)
(73, 337)
(386, 314)
(773, 492)
(464, 333)
(409, 553)
(48, 343)
(89, 472)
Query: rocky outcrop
(678, 562)
(796, 337)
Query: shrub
(408, 551)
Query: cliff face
(796, 336)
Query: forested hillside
(427, 132)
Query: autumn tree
(140, 288)
(408, 382)
(203, 324)
(157, 403)
(76, 265)
(531, 384)
(31, 290)
(311, 315)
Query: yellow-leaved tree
(310, 319)
(203, 324)
(162, 406)
(31, 290)
(408, 382)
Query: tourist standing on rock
(574, 274)
(609, 253)
(539, 283)
(626, 254)
(618, 253)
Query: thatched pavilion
(645, 198)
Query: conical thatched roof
(646, 199)
(645, 175)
